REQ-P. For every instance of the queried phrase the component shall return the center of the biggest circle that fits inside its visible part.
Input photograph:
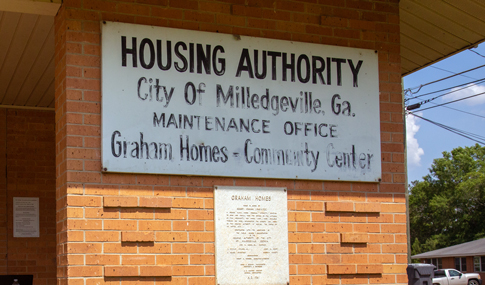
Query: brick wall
(448, 262)
(27, 170)
(140, 228)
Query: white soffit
(39, 7)
(27, 53)
(26, 60)
(432, 30)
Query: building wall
(118, 227)
(449, 262)
(27, 163)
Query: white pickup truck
(455, 277)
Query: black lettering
(156, 120)
(191, 86)
(159, 55)
(335, 106)
(125, 51)
(114, 151)
(246, 154)
(285, 127)
(252, 126)
(143, 145)
(140, 81)
(184, 147)
(273, 55)
(245, 64)
(299, 68)
(224, 153)
(203, 59)
(355, 71)
(222, 61)
(265, 126)
(151, 48)
(339, 62)
(179, 68)
(225, 98)
(317, 71)
(290, 66)
(261, 75)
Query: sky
(426, 141)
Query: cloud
(414, 151)
(472, 89)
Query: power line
(471, 136)
(464, 98)
(448, 88)
(473, 114)
(476, 52)
(442, 69)
(418, 105)
(409, 90)
(466, 134)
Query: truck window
(454, 273)
(439, 273)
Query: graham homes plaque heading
(251, 235)
(197, 103)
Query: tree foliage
(448, 206)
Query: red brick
(354, 238)
(339, 206)
(188, 226)
(187, 270)
(120, 201)
(185, 4)
(315, 269)
(102, 236)
(102, 259)
(309, 206)
(137, 236)
(138, 259)
(341, 269)
(84, 248)
(155, 202)
(85, 271)
(120, 225)
(202, 259)
(155, 271)
(368, 207)
(172, 259)
(154, 225)
(369, 269)
(171, 236)
(120, 271)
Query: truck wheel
(473, 282)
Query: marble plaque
(251, 231)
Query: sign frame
(194, 117)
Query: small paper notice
(25, 217)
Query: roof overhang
(472, 248)
(431, 30)
(38, 7)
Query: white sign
(251, 230)
(25, 217)
(197, 103)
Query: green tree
(448, 206)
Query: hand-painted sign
(197, 103)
